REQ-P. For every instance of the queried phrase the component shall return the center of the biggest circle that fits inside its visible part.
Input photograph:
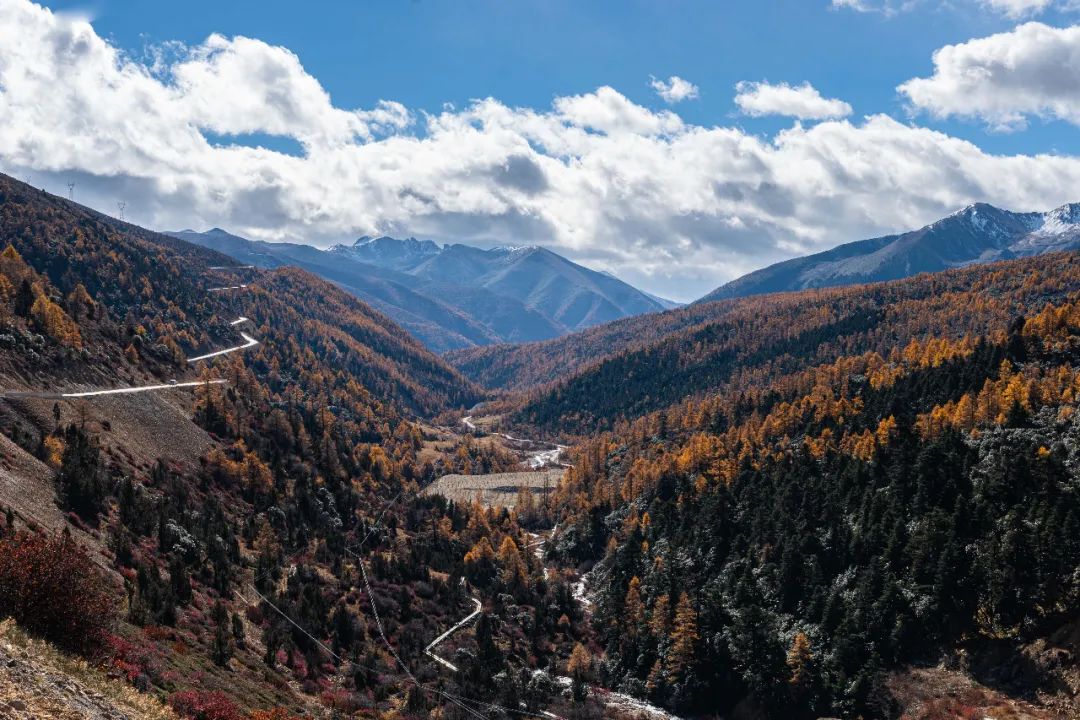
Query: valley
(292, 507)
(540, 360)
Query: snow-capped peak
(1064, 219)
(515, 248)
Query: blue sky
(424, 53)
(675, 197)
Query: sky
(675, 144)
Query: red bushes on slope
(50, 586)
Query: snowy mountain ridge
(978, 233)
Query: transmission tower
(71, 190)
(121, 205)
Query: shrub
(51, 587)
(205, 705)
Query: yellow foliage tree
(684, 639)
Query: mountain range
(455, 296)
(977, 234)
(223, 515)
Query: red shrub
(278, 713)
(51, 587)
(205, 705)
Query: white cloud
(609, 111)
(1018, 8)
(675, 207)
(1032, 70)
(888, 8)
(862, 6)
(1010, 8)
(675, 89)
(801, 101)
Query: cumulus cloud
(1030, 71)
(675, 207)
(675, 89)
(802, 101)
(609, 111)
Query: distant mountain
(567, 293)
(455, 296)
(390, 252)
(979, 233)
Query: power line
(294, 623)
(456, 700)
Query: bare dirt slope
(140, 428)
(26, 486)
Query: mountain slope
(639, 365)
(144, 277)
(793, 545)
(528, 365)
(977, 234)
(234, 520)
(456, 296)
(570, 294)
(567, 295)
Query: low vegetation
(50, 586)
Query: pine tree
(221, 648)
(239, 636)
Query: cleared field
(496, 489)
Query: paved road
(461, 623)
(118, 391)
(248, 342)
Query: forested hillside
(524, 366)
(783, 546)
(750, 341)
(246, 578)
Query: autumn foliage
(206, 706)
(50, 586)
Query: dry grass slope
(38, 682)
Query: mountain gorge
(455, 296)
(252, 546)
(977, 234)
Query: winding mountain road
(429, 650)
(248, 343)
(117, 391)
